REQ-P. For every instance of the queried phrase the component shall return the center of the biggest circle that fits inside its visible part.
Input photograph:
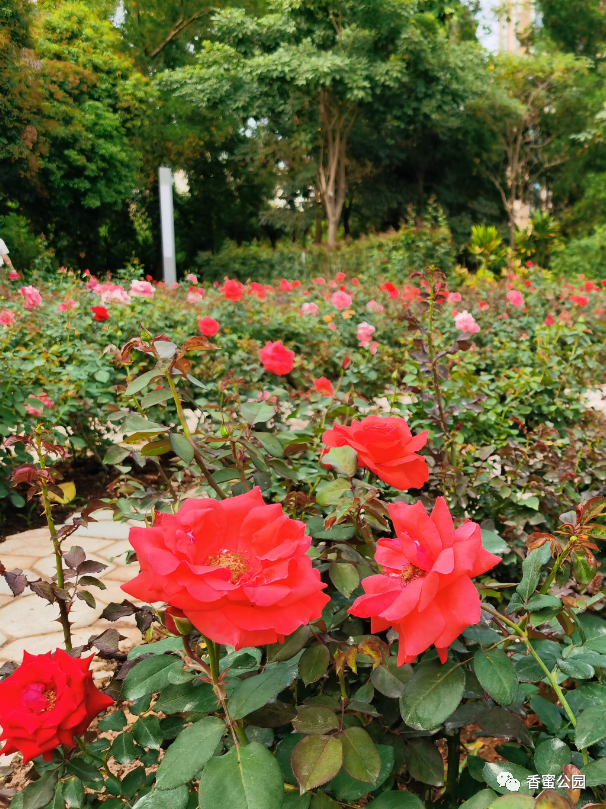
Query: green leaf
(181, 447)
(481, 800)
(547, 712)
(424, 762)
(315, 720)
(256, 412)
(497, 675)
(432, 695)
(492, 770)
(532, 567)
(583, 570)
(137, 424)
(248, 777)
(541, 602)
(270, 443)
(189, 753)
(344, 460)
(493, 543)
(141, 382)
(331, 493)
(315, 760)
(115, 455)
(313, 663)
(294, 801)
(156, 648)
(346, 788)
(147, 732)
(278, 652)
(576, 668)
(149, 676)
(255, 692)
(155, 397)
(398, 800)
(283, 469)
(345, 577)
(387, 683)
(123, 749)
(160, 799)
(283, 755)
(360, 756)
(73, 793)
(40, 792)
(595, 773)
(115, 721)
(551, 756)
(85, 771)
(517, 800)
(183, 697)
(591, 726)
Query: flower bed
(373, 532)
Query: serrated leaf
(123, 749)
(189, 753)
(360, 756)
(424, 762)
(497, 675)
(315, 720)
(248, 777)
(155, 397)
(316, 760)
(313, 663)
(331, 493)
(147, 732)
(346, 788)
(551, 756)
(591, 726)
(138, 425)
(344, 460)
(115, 721)
(345, 577)
(387, 683)
(493, 543)
(256, 412)
(532, 568)
(149, 676)
(164, 799)
(187, 697)
(253, 693)
(270, 444)
(181, 447)
(547, 712)
(432, 695)
(141, 382)
(278, 652)
(40, 792)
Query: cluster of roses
(238, 570)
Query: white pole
(165, 178)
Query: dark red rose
(49, 699)
(100, 312)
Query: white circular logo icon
(503, 778)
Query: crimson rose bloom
(386, 446)
(323, 386)
(276, 358)
(425, 591)
(208, 326)
(49, 699)
(237, 568)
(100, 313)
(232, 290)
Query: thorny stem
(238, 463)
(63, 611)
(434, 372)
(198, 457)
(552, 680)
(237, 731)
(558, 563)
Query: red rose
(49, 699)
(323, 386)
(580, 300)
(425, 591)
(100, 312)
(276, 358)
(237, 568)
(387, 447)
(232, 290)
(390, 288)
(208, 326)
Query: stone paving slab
(29, 623)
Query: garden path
(28, 623)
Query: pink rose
(195, 295)
(32, 297)
(208, 326)
(191, 278)
(454, 296)
(309, 309)
(142, 289)
(515, 298)
(7, 318)
(373, 306)
(365, 332)
(68, 304)
(341, 300)
(464, 321)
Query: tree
(576, 26)
(84, 159)
(525, 107)
(310, 71)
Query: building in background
(501, 21)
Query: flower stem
(237, 731)
(198, 457)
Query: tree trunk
(318, 233)
(333, 227)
